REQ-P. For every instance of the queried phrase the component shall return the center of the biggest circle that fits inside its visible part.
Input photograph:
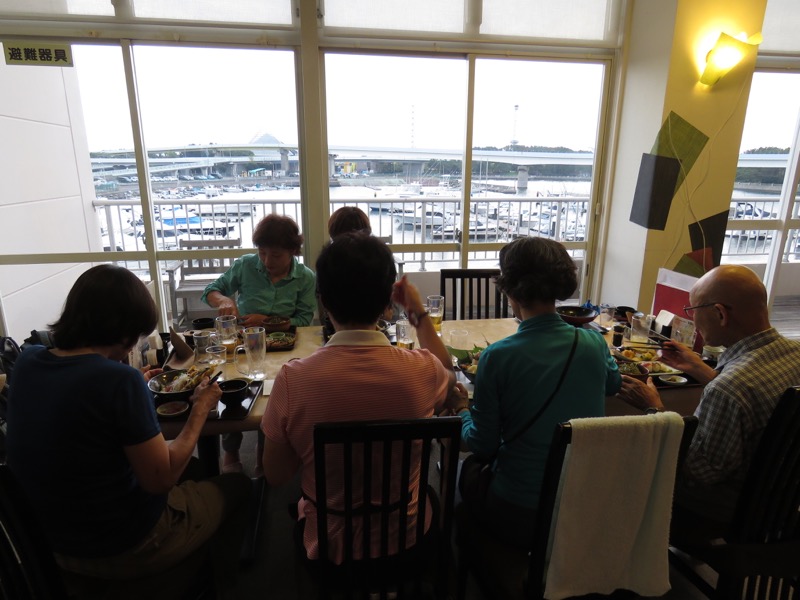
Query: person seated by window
(729, 308)
(516, 376)
(86, 446)
(348, 218)
(270, 283)
(344, 220)
(353, 375)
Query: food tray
(238, 413)
(690, 382)
(223, 412)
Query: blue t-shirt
(68, 420)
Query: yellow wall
(718, 111)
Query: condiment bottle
(616, 339)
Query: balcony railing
(425, 231)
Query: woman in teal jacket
(516, 376)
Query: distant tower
(412, 125)
(514, 140)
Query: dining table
(481, 333)
(682, 399)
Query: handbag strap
(547, 402)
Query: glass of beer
(403, 334)
(227, 332)
(436, 312)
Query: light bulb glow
(726, 54)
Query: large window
(762, 195)
(396, 133)
(764, 219)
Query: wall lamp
(726, 54)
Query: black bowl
(234, 391)
(576, 315)
(203, 323)
(621, 313)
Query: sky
(225, 96)
(196, 95)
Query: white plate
(672, 379)
(665, 369)
(173, 408)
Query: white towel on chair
(611, 523)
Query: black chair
(759, 556)
(506, 572)
(27, 566)
(468, 293)
(380, 455)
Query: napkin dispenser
(663, 323)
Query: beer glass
(254, 350)
(436, 312)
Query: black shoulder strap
(547, 402)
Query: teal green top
(515, 377)
(293, 296)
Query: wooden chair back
(207, 267)
(379, 464)
(514, 573)
(472, 294)
(760, 558)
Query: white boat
(182, 221)
(421, 217)
(478, 229)
(226, 211)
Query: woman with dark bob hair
(515, 378)
(86, 446)
(270, 283)
(346, 219)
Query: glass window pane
(589, 20)
(220, 127)
(274, 12)
(396, 135)
(445, 16)
(534, 142)
(58, 7)
(772, 116)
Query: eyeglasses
(689, 310)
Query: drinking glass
(216, 355)
(202, 340)
(606, 316)
(255, 352)
(436, 312)
(459, 339)
(640, 328)
(226, 331)
(403, 334)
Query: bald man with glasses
(729, 308)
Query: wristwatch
(414, 318)
(651, 410)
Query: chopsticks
(635, 345)
(214, 378)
